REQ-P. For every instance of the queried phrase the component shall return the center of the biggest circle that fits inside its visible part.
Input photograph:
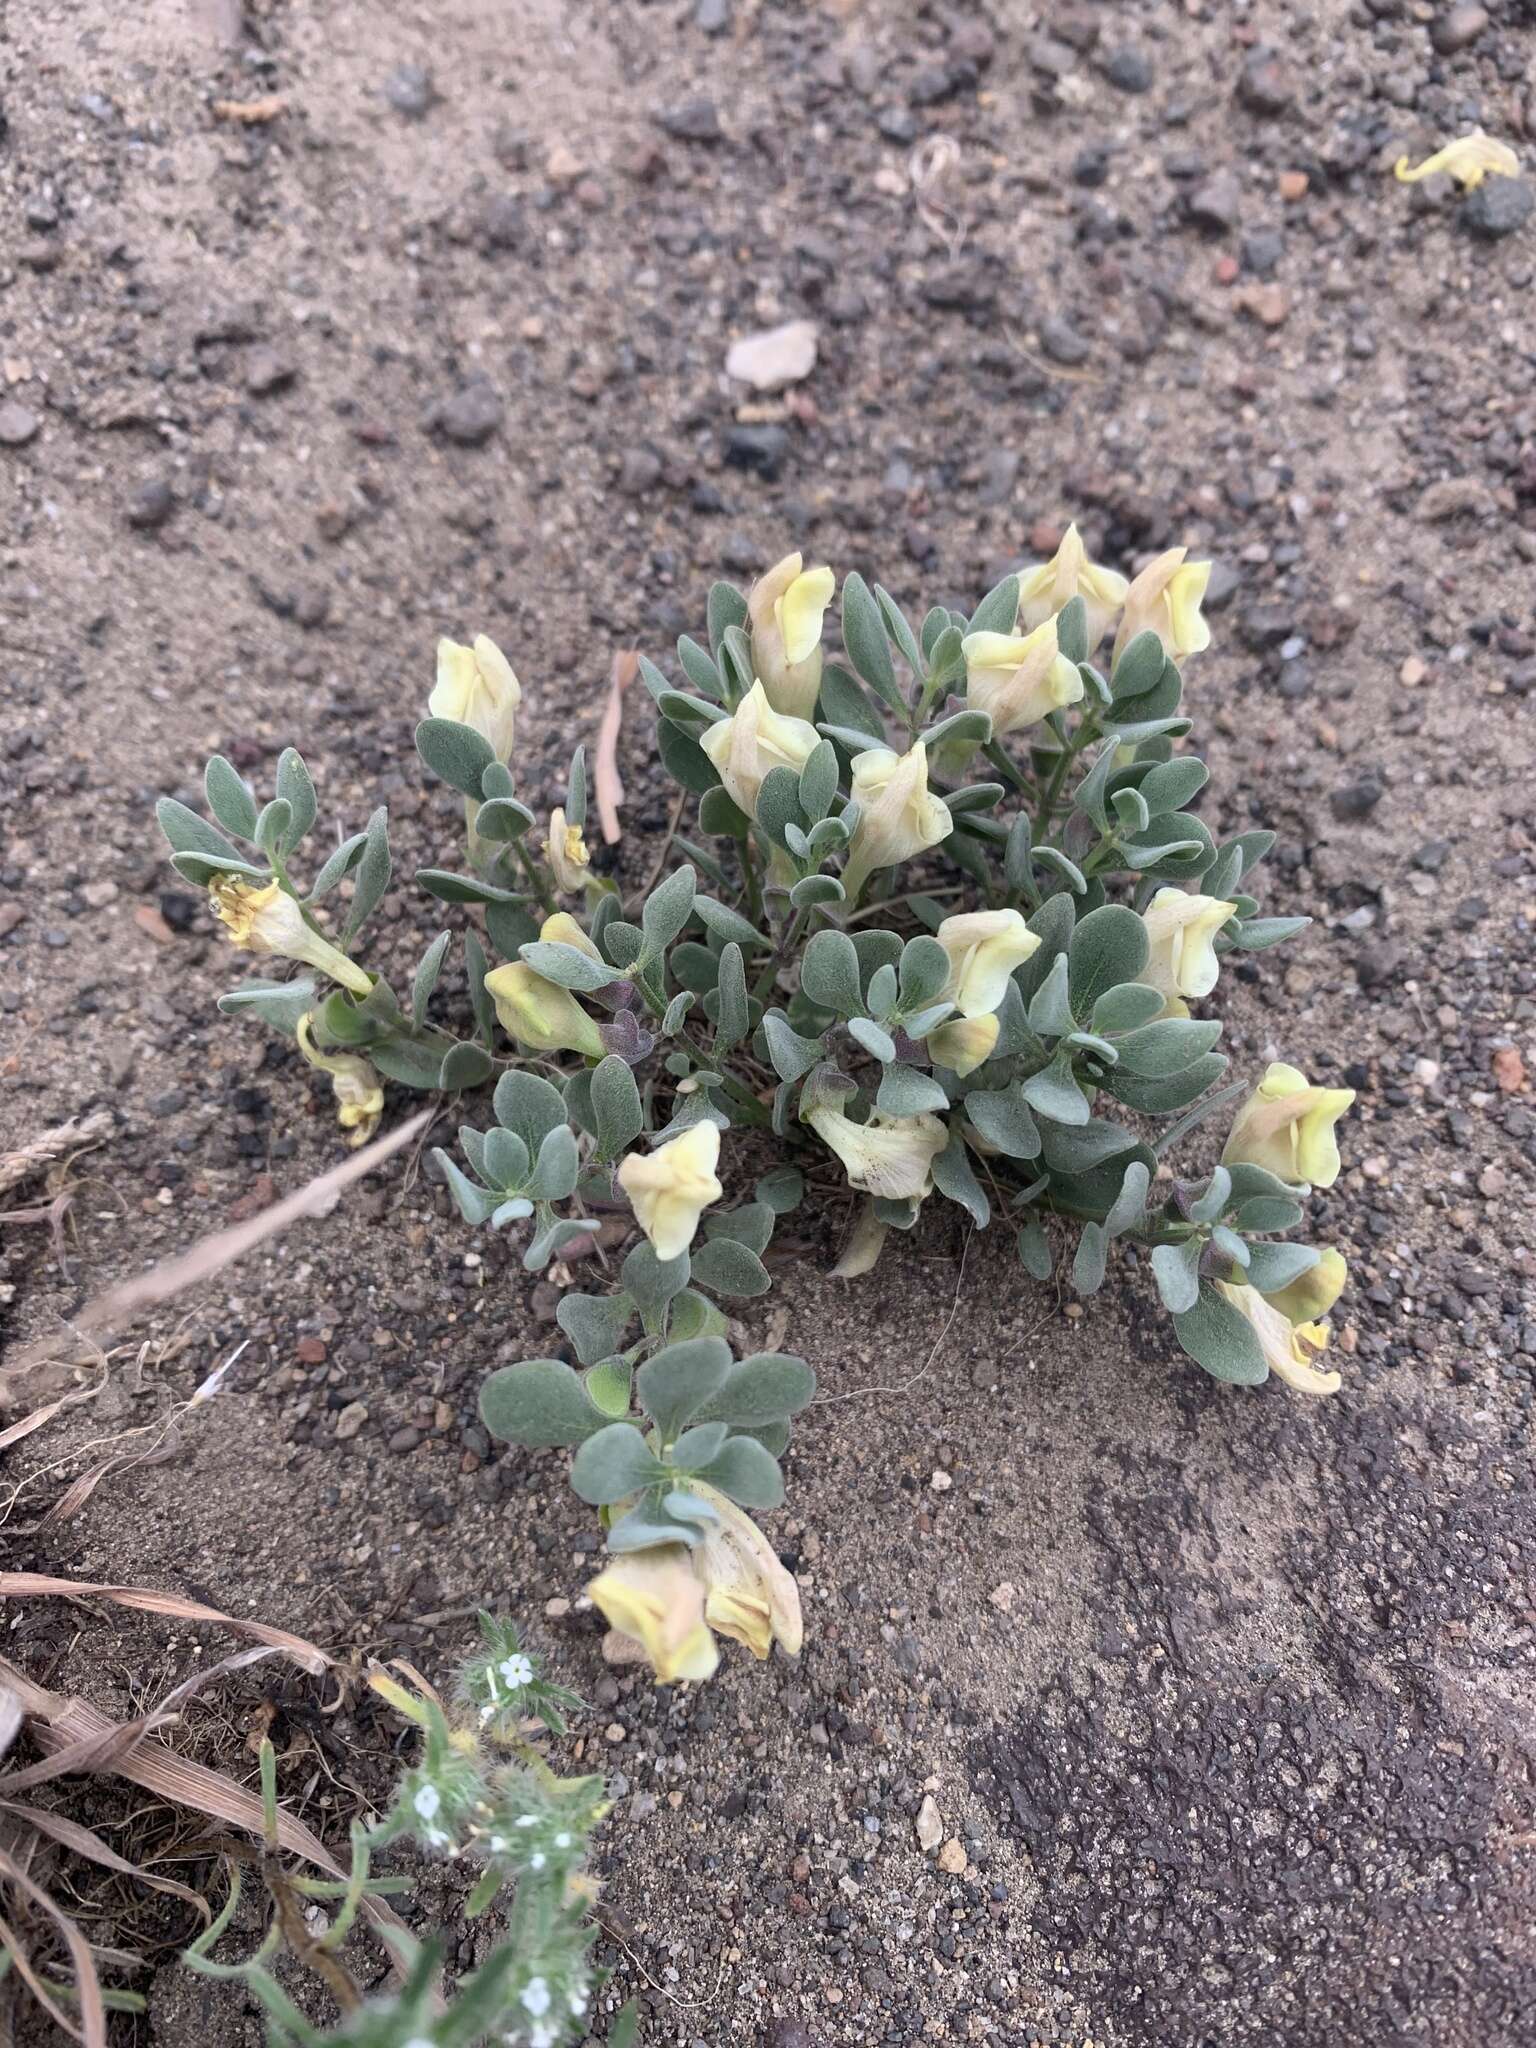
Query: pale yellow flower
(270, 921)
(561, 929)
(1182, 959)
(1045, 588)
(984, 947)
(1311, 1297)
(1287, 1127)
(890, 1155)
(964, 1043)
(1165, 599)
(748, 1595)
(540, 1014)
(1469, 159)
(786, 608)
(669, 1189)
(1018, 678)
(567, 854)
(898, 816)
(355, 1084)
(1289, 1348)
(743, 748)
(654, 1602)
(475, 686)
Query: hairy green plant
(945, 912)
(527, 1829)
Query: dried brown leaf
(92, 2030)
(38, 1585)
(251, 112)
(607, 785)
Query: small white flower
(578, 2000)
(537, 1860)
(542, 2035)
(535, 1998)
(428, 1801)
(527, 1820)
(498, 1844)
(517, 1671)
(562, 1840)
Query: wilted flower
(1311, 1297)
(1018, 678)
(270, 921)
(1045, 588)
(1182, 960)
(786, 607)
(1165, 599)
(475, 686)
(1289, 1348)
(1469, 159)
(654, 1601)
(354, 1082)
(756, 738)
(748, 1595)
(898, 817)
(984, 947)
(1287, 1127)
(670, 1188)
(890, 1155)
(964, 1043)
(567, 854)
(540, 1014)
(561, 929)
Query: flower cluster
(943, 926)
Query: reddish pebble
(1226, 270)
(1293, 185)
(1044, 537)
(309, 1351)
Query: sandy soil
(1227, 1697)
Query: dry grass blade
(73, 1724)
(10, 1720)
(70, 1835)
(38, 1585)
(75, 1496)
(607, 785)
(120, 1303)
(93, 2013)
(75, 1136)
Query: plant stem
(536, 879)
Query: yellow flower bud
(1289, 1349)
(898, 817)
(964, 1043)
(748, 1595)
(890, 1155)
(354, 1082)
(756, 738)
(654, 1602)
(540, 1014)
(561, 929)
(785, 609)
(475, 686)
(1018, 678)
(1182, 960)
(1048, 586)
(984, 947)
(669, 1189)
(1165, 599)
(1469, 159)
(1287, 1127)
(567, 854)
(270, 921)
(1309, 1298)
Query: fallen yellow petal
(1469, 159)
